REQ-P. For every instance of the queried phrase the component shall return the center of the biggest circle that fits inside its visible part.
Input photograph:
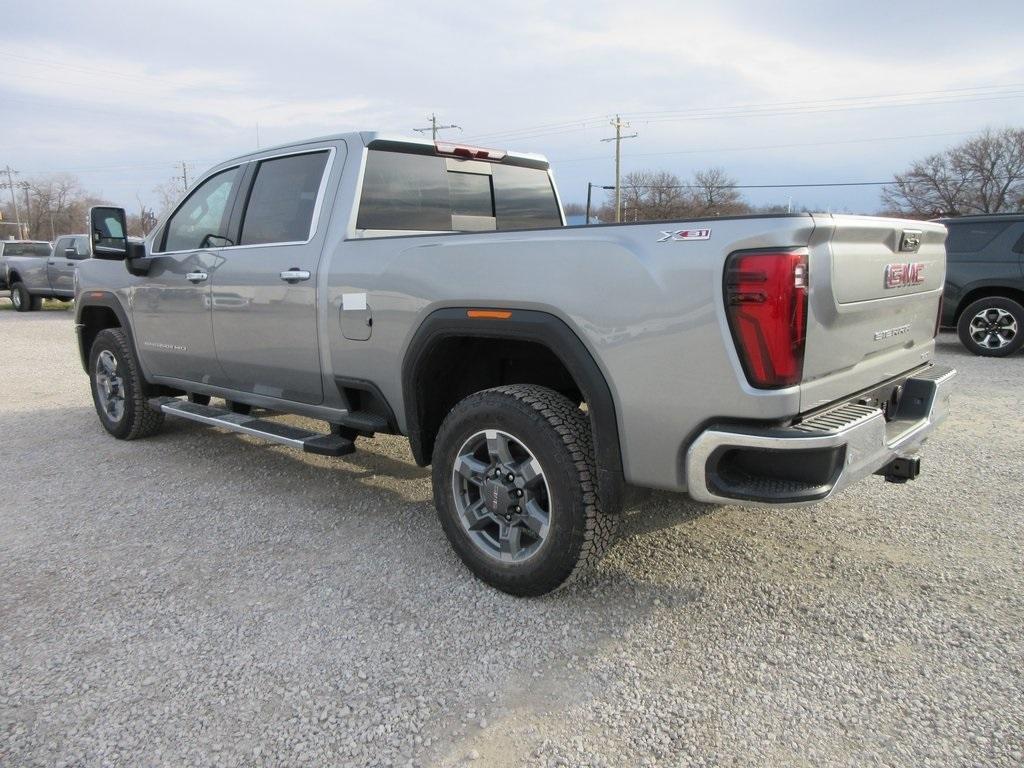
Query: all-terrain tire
(558, 435)
(997, 343)
(137, 419)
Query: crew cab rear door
(264, 290)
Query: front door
(264, 293)
(172, 309)
(60, 267)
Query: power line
(815, 106)
(797, 145)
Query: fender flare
(522, 325)
(109, 301)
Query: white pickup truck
(386, 284)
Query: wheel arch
(533, 347)
(96, 311)
(986, 292)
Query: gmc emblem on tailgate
(902, 275)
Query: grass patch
(51, 305)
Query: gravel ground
(200, 599)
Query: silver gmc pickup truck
(382, 284)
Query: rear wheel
(992, 327)
(515, 488)
(23, 300)
(118, 390)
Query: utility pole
(434, 127)
(28, 207)
(184, 174)
(619, 124)
(14, 200)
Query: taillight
(766, 302)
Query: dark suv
(984, 295)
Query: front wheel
(515, 486)
(992, 327)
(118, 390)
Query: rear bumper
(808, 462)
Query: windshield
(26, 249)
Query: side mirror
(109, 233)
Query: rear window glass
(283, 199)
(26, 249)
(403, 191)
(969, 237)
(524, 198)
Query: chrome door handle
(295, 275)
(196, 277)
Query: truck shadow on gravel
(382, 467)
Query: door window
(204, 213)
(81, 246)
(283, 200)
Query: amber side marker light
(488, 314)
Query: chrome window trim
(317, 207)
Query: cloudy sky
(776, 93)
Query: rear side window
(971, 237)
(403, 191)
(283, 199)
(205, 212)
(26, 249)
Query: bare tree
(168, 194)
(715, 194)
(55, 205)
(661, 195)
(982, 175)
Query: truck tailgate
(875, 291)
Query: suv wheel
(515, 488)
(992, 327)
(24, 301)
(118, 390)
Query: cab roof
(416, 144)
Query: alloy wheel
(501, 496)
(993, 328)
(109, 385)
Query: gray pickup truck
(391, 285)
(34, 271)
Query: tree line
(984, 174)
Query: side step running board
(303, 439)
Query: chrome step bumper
(808, 462)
